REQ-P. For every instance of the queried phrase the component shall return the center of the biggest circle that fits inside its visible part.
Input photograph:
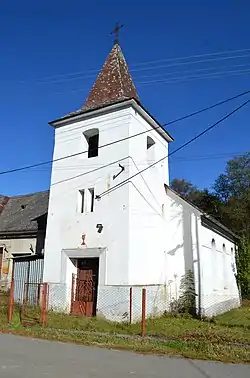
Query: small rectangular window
(93, 146)
(86, 200)
(81, 201)
(92, 199)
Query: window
(92, 199)
(81, 192)
(92, 139)
(86, 200)
(150, 150)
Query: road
(28, 358)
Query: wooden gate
(84, 289)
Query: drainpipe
(198, 266)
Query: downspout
(198, 266)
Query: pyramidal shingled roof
(113, 84)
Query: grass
(224, 338)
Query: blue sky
(41, 40)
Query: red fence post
(11, 298)
(143, 315)
(44, 304)
(72, 293)
(130, 304)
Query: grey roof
(19, 212)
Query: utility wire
(126, 138)
(177, 119)
(117, 186)
(229, 52)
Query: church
(113, 223)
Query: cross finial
(116, 32)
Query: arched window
(92, 139)
(213, 243)
(223, 248)
(150, 150)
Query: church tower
(109, 140)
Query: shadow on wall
(173, 251)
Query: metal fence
(60, 305)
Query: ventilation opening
(150, 150)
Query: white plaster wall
(13, 246)
(65, 223)
(214, 270)
(146, 206)
(219, 288)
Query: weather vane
(116, 32)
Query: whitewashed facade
(143, 233)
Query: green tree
(233, 189)
(187, 293)
(205, 200)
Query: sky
(51, 51)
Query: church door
(86, 287)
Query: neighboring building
(22, 229)
(140, 234)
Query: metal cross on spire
(116, 32)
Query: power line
(173, 152)
(142, 162)
(137, 77)
(192, 71)
(183, 117)
(203, 76)
(43, 79)
(126, 138)
(144, 69)
(170, 80)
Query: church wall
(146, 206)
(66, 223)
(218, 268)
(214, 268)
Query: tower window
(92, 139)
(86, 200)
(150, 150)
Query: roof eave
(205, 216)
(111, 107)
(17, 233)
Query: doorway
(86, 287)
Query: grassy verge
(225, 338)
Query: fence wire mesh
(58, 305)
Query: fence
(58, 305)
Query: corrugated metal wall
(28, 270)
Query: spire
(114, 82)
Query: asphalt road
(28, 358)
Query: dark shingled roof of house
(114, 84)
(19, 212)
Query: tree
(233, 189)
(205, 200)
(183, 187)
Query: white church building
(113, 224)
